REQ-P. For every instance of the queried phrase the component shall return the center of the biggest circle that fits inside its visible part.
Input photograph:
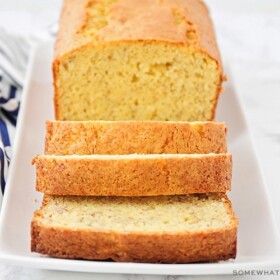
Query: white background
(248, 32)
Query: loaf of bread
(133, 175)
(168, 229)
(136, 60)
(129, 137)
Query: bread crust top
(179, 22)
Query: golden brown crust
(66, 43)
(193, 14)
(212, 245)
(134, 176)
(55, 67)
(85, 138)
(131, 247)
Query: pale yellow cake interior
(137, 60)
(137, 82)
(139, 214)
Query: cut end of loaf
(127, 81)
(136, 60)
(172, 214)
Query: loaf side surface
(108, 137)
(133, 175)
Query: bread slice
(136, 60)
(133, 175)
(129, 137)
(168, 229)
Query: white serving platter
(258, 242)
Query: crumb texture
(176, 229)
(140, 214)
(106, 68)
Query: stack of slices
(135, 191)
(120, 180)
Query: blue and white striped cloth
(9, 107)
(13, 60)
(14, 52)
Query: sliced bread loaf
(136, 60)
(133, 175)
(129, 137)
(168, 229)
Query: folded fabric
(13, 60)
(14, 53)
(9, 107)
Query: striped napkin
(14, 53)
(13, 60)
